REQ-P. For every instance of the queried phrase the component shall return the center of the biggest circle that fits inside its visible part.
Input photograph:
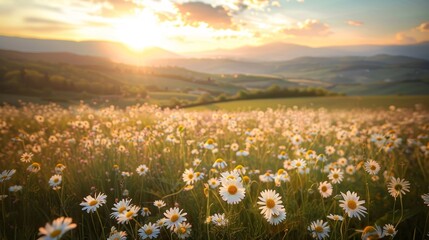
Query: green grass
(343, 102)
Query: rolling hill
(67, 76)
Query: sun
(139, 31)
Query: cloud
(116, 8)
(423, 27)
(404, 38)
(37, 20)
(238, 6)
(48, 29)
(354, 23)
(309, 27)
(195, 13)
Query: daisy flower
(232, 191)
(352, 206)
(219, 163)
(277, 218)
(425, 198)
(325, 189)
(126, 216)
(219, 219)
(335, 217)
(372, 167)
(299, 163)
(389, 230)
(149, 230)
(370, 232)
(117, 235)
(196, 162)
(336, 176)
(142, 170)
(34, 167)
(319, 229)
(120, 207)
(145, 212)
(282, 156)
(398, 187)
(159, 203)
(234, 147)
(55, 180)
(173, 217)
(57, 229)
(230, 175)
(296, 140)
(267, 177)
(213, 183)
(329, 150)
(189, 176)
(350, 169)
(287, 164)
(240, 169)
(183, 230)
(59, 168)
(91, 204)
(242, 153)
(26, 157)
(6, 175)
(271, 203)
(210, 144)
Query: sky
(192, 26)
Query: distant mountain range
(285, 51)
(118, 52)
(353, 75)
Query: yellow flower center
(190, 176)
(373, 168)
(182, 230)
(398, 187)
(318, 229)
(210, 141)
(270, 203)
(351, 204)
(121, 209)
(324, 189)
(390, 231)
(129, 214)
(148, 231)
(232, 189)
(335, 175)
(55, 233)
(174, 218)
(56, 180)
(93, 202)
(246, 179)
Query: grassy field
(345, 173)
(341, 102)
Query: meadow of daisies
(150, 173)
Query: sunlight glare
(139, 31)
